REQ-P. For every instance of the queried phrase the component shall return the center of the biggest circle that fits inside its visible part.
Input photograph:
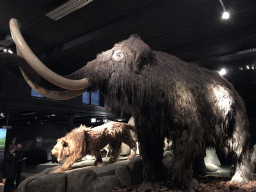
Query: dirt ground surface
(206, 184)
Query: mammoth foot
(237, 178)
(242, 175)
(193, 185)
(147, 185)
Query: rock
(48, 183)
(131, 121)
(211, 157)
(135, 166)
(88, 157)
(103, 184)
(211, 167)
(167, 159)
(167, 144)
(80, 179)
(106, 170)
(24, 184)
(125, 150)
(122, 172)
(90, 178)
(134, 135)
(253, 156)
(194, 184)
(167, 154)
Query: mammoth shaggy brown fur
(83, 140)
(195, 107)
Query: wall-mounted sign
(6, 127)
(2, 142)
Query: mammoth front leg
(199, 168)
(242, 160)
(186, 149)
(151, 143)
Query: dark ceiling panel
(190, 29)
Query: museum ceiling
(190, 29)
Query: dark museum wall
(15, 91)
(41, 135)
(16, 88)
(13, 87)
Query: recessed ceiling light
(225, 15)
(223, 72)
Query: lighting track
(67, 8)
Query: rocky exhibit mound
(206, 184)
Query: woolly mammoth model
(195, 107)
(83, 140)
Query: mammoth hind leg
(241, 158)
(237, 144)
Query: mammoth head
(130, 55)
(134, 52)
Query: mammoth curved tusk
(24, 51)
(56, 95)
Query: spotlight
(225, 15)
(93, 120)
(222, 72)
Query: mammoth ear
(143, 53)
(64, 143)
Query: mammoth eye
(118, 55)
